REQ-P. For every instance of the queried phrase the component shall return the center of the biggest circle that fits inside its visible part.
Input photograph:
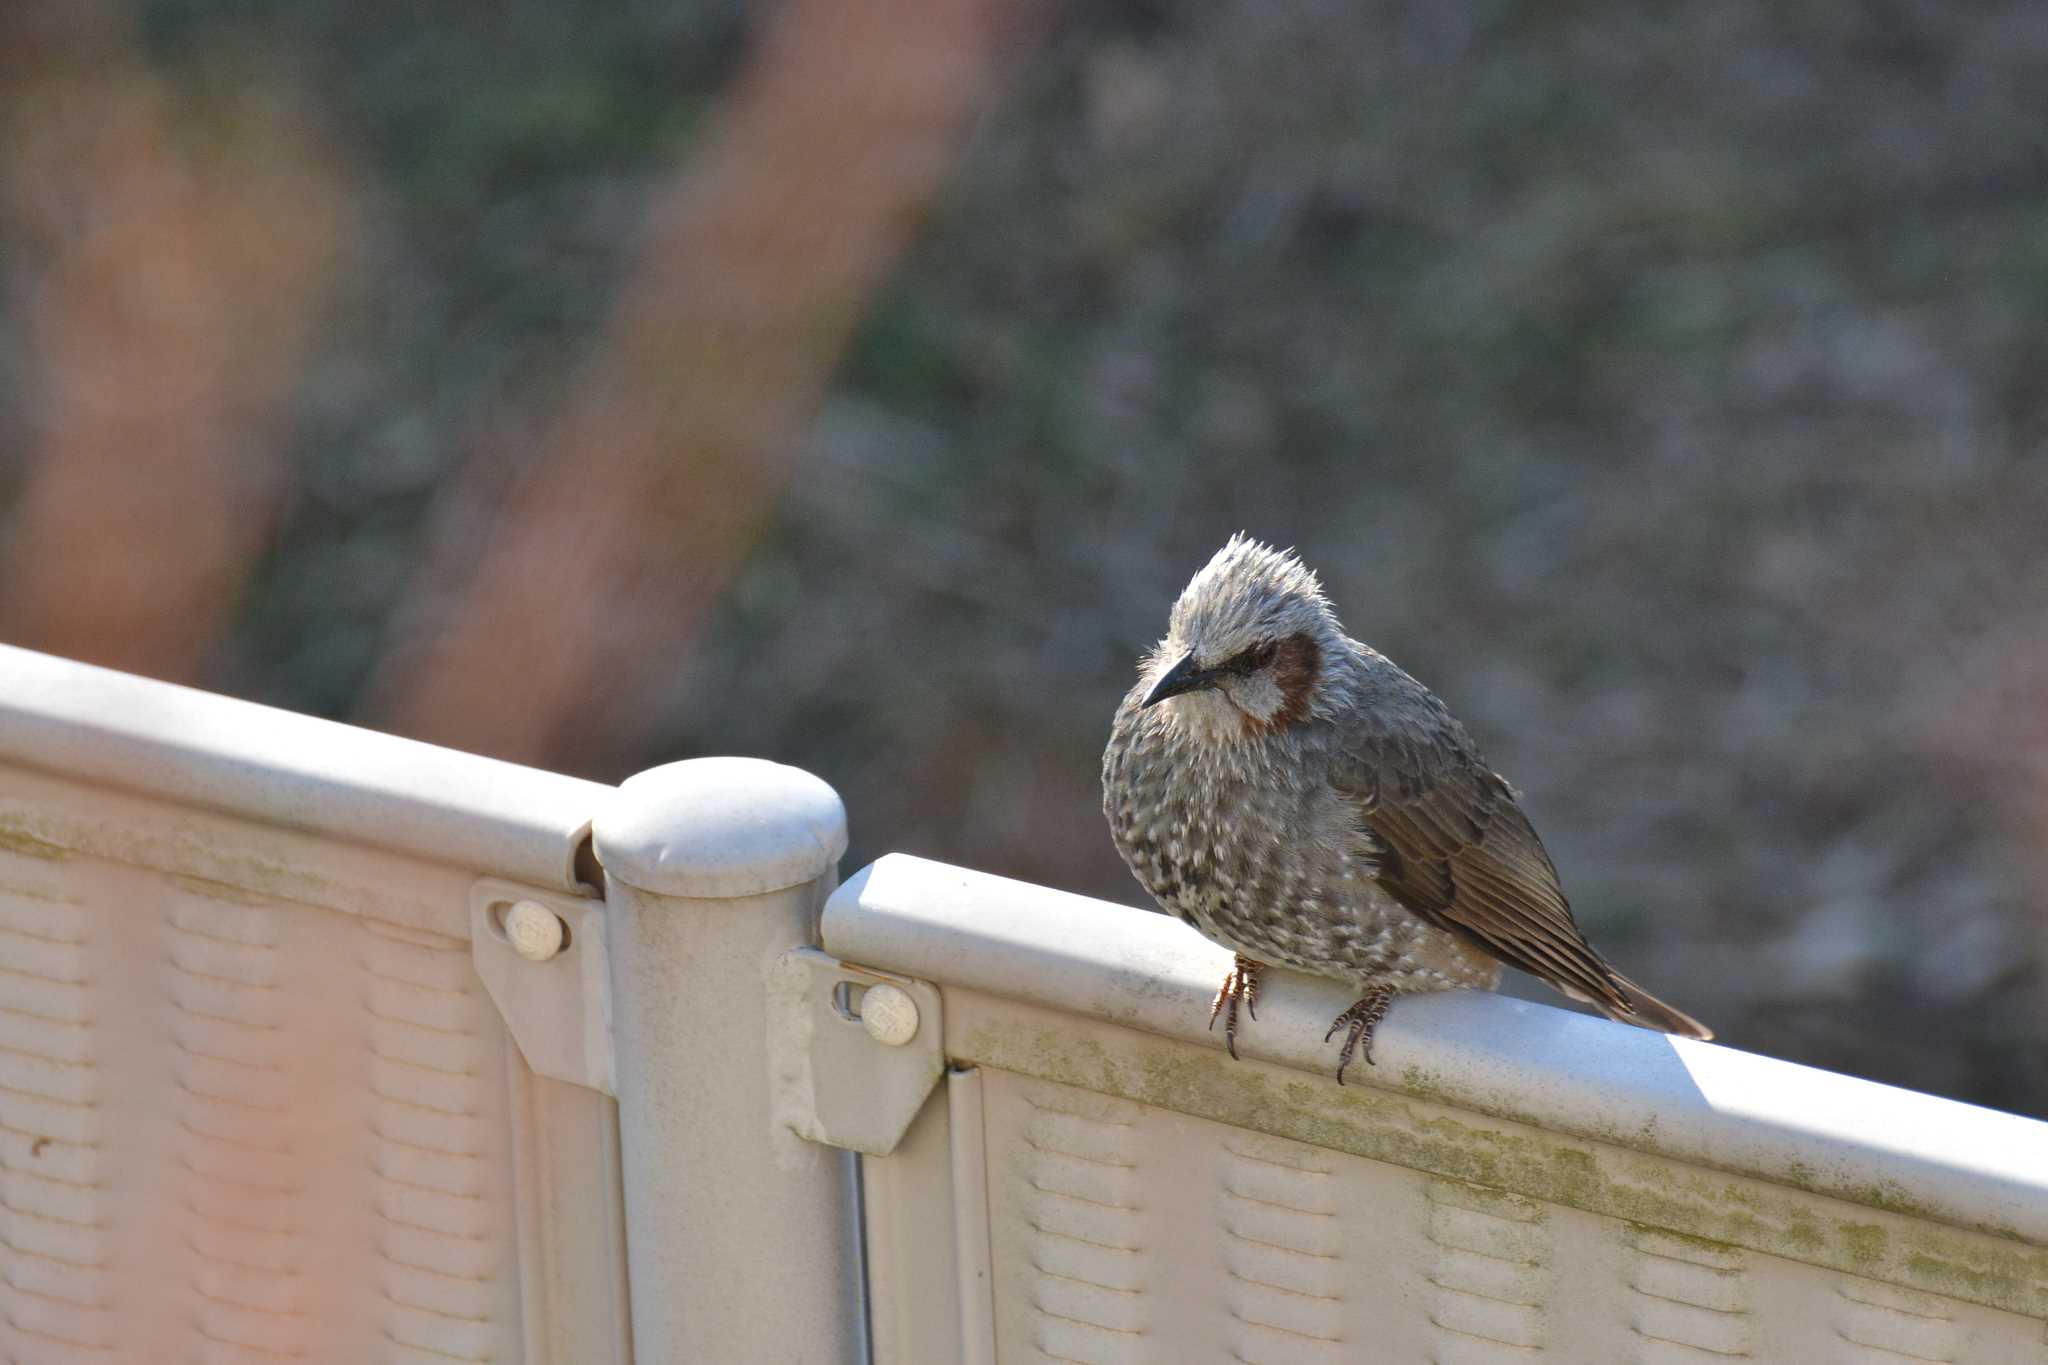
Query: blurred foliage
(1661, 383)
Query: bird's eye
(1254, 659)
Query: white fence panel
(276, 1083)
(1510, 1183)
(259, 1100)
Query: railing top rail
(1836, 1135)
(283, 769)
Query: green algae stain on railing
(1881, 1237)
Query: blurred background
(599, 384)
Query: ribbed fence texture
(255, 1103)
(258, 1104)
(241, 1129)
(1509, 1183)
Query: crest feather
(1248, 588)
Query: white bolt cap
(536, 932)
(888, 1014)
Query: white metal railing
(1510, 1179)
(283, 1076)
(276, 1084)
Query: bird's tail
(1647, 1011)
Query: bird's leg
(1361, 1018)
(1241, 985)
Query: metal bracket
(853, 1053)
(549, 977)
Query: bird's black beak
(1182, 677)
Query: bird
(1301, 800)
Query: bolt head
(536, 932)
(888, 1014)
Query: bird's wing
(1454, 847)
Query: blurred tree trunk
(545, 642)
(175, 257)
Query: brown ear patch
(1297, 663)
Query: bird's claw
(1362, 1018)
(1242, 985)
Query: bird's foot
(1361, 1019)
(1241, 985)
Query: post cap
(720, 828)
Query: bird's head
(1247, 644)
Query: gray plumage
(1302, 801)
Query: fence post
(740, 1236)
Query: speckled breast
(1249, 845)
(1231, 845)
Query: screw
(536, 932)
(888, 1014)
